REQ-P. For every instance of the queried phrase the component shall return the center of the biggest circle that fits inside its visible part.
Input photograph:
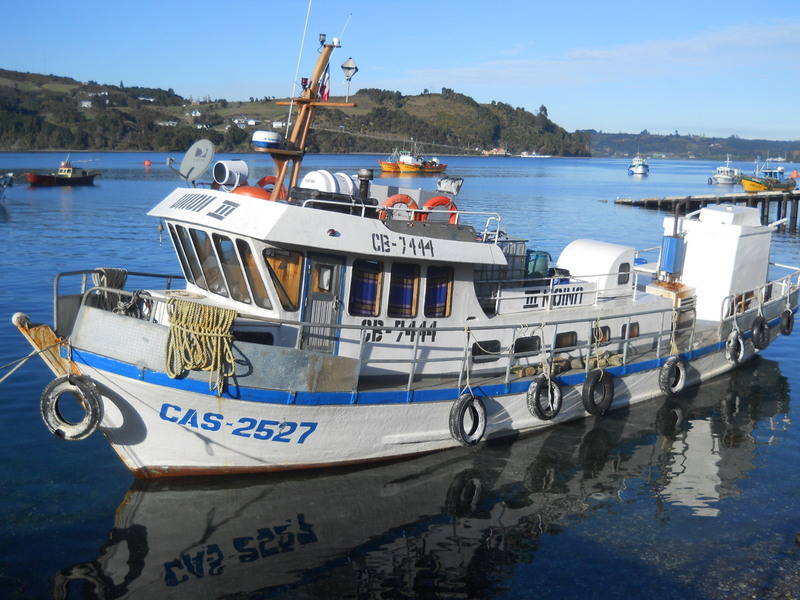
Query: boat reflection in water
(454, 522)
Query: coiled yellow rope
(200, 338)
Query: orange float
(270, 180)
(437, 202)
(395, 200)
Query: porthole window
(486, 351)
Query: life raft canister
(437, 202)
(594, 379)
(467, 420)
(85, 392)
(396, 200)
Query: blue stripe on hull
(235, 392)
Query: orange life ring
(438, 201)
(270, 180)
(396, 199)
(253, 191)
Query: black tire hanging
(467, 420)
(787, 322)
(672, 376)
(544, 398)
(85, 392)
(594, 379)
(734, 348)
(760, 331)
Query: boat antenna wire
(297, 71)
(346, 23)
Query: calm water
(689, 498)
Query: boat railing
(65, 305)
(551, 357)
(734, 306)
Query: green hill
(47, 112)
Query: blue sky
(705, 68)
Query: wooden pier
(785, 204)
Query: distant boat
(638, 166)
(726, 175)
(408, 161)
(534, 154)
(769, 179)
(66, 175)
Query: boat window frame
(253, 276)
(367, 304)
(396, 305)
(213, 279)
(624, 273)
(535, 346)
(181, 252)
(485, 351)
(433, 307)
(231, 268)
(288, 295)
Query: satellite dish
(195, 162)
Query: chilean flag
(325, 84)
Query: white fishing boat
(638, 166)
(726, 175)
(312, 327)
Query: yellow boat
(769, 179)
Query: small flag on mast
(325, 84)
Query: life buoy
(467, 420)
(672, 377)
(760, 331)
(439, 201)
(734, 348)
(86, 393)
(594, 379)
(787, 322)
(393, 201)
(270, 180)
(544, 398)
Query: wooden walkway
(785, 203)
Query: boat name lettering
(223, 211)
(209, 560)
(559, 296)
(407, 246)
(194, 202)
(260, 429)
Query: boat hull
(161, 427)
(409, 168)
(766, 184)
(38, 179)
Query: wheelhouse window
(285, 268)
(192, 270)
(253, 276)
(231, 268)
(438, 291)
(179, 249)
(211, 279)
(365, 288)
(403, 291)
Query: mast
(294, 148)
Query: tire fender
(467, 420)
(787, 322)
(760, 331)
(672, 376)
(544, 398)
(734, 348)
(595, 378)
(82, 388)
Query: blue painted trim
(249, 394)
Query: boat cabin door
(323, 301)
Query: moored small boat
(322, 321)
(769, 179)
(726, 175)
(67, 174)
(638, 166)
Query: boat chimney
(364, 177)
